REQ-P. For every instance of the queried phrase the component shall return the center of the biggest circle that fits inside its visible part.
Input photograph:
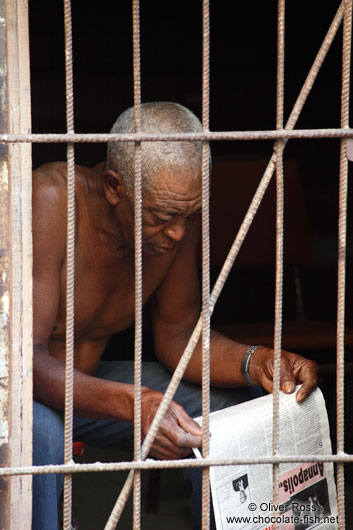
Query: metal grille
(209, 299)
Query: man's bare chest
(105, 293)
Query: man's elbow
(169, 347)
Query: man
(104, 302)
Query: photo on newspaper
(242, 494)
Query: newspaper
(242, 494)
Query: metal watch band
(245, 364)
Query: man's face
(168, 212)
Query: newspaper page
(242, 494)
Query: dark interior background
(243, 92)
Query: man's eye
(162, 220)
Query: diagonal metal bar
(180, 369)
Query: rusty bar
(285, 134)
(135, 478)
(342, 250)
(70, 268)
(279, 245)
(167, 464)
(138, 264)
(206, 285)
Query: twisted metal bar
(167, 464)
(138, 263)
(206, 316)
(284, 134)
(70, 270)
(342, 247)
(180, 369)
(279, 247)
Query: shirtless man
(104, 302)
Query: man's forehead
(170, 210)
(174, 201)
(178, 178)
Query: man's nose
(176, 230)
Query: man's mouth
(160, 250)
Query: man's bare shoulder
(50, 183)
(55, 173)
(50, 200)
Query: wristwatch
(245, 364)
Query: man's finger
(180, 428)
(188, 424)
(179, 436)
(307, 375)
(287, 379)
(164, 448)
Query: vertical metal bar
(205, 262)
(70, 269)
(138, 264)
(342, 247)
(279, 244)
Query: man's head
(171, 174)
(180, 160)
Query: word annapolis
(304, 475)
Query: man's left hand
(295, 370)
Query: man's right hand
(178, 433)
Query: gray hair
(178, 159)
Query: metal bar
(180, 369)
(205, 235)
(285, 134)
(167, 464)
(342, 248)
(70, 268)
(279, 247)
(138, 265)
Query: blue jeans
(48, 434)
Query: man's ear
(114, 187)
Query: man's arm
(49, 249)
(93, 397)
(176, 311)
